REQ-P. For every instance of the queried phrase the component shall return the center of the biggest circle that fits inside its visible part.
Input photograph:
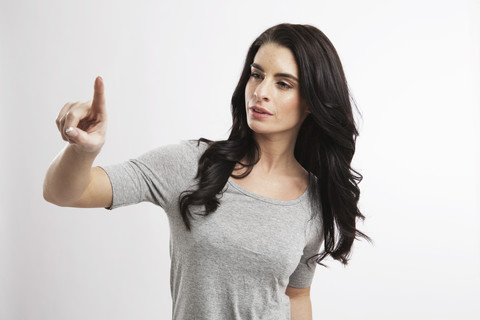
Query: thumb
(82, 139)
(76, 135)
(98, 103)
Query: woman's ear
(304, 103)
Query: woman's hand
(84, 124)
(70, 180)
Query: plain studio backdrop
(169, 70)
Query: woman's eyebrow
(285, 75)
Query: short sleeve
(157, 176)
(302, 277)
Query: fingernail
(71, 132)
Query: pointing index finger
(98, 103)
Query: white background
(169, 70)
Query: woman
(247, 215)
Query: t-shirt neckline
(269, 200)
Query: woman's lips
(258, 114)
(261, 109)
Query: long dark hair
(325, 143)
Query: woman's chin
(259, 129)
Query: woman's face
(273, 88)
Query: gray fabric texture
(236, 262)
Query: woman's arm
(70, 179)
(300, 304)
(72, 182)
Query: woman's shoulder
(195, 146)
(200, 143)
(181, 153)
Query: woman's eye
(284, 85)
(255, 75)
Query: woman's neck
(277, 154)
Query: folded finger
(61, 114)
(68, 119)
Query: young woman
(247, 215)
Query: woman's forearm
(68, 176)
(301, 308)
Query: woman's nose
(262, 91)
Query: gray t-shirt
(236, 262)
